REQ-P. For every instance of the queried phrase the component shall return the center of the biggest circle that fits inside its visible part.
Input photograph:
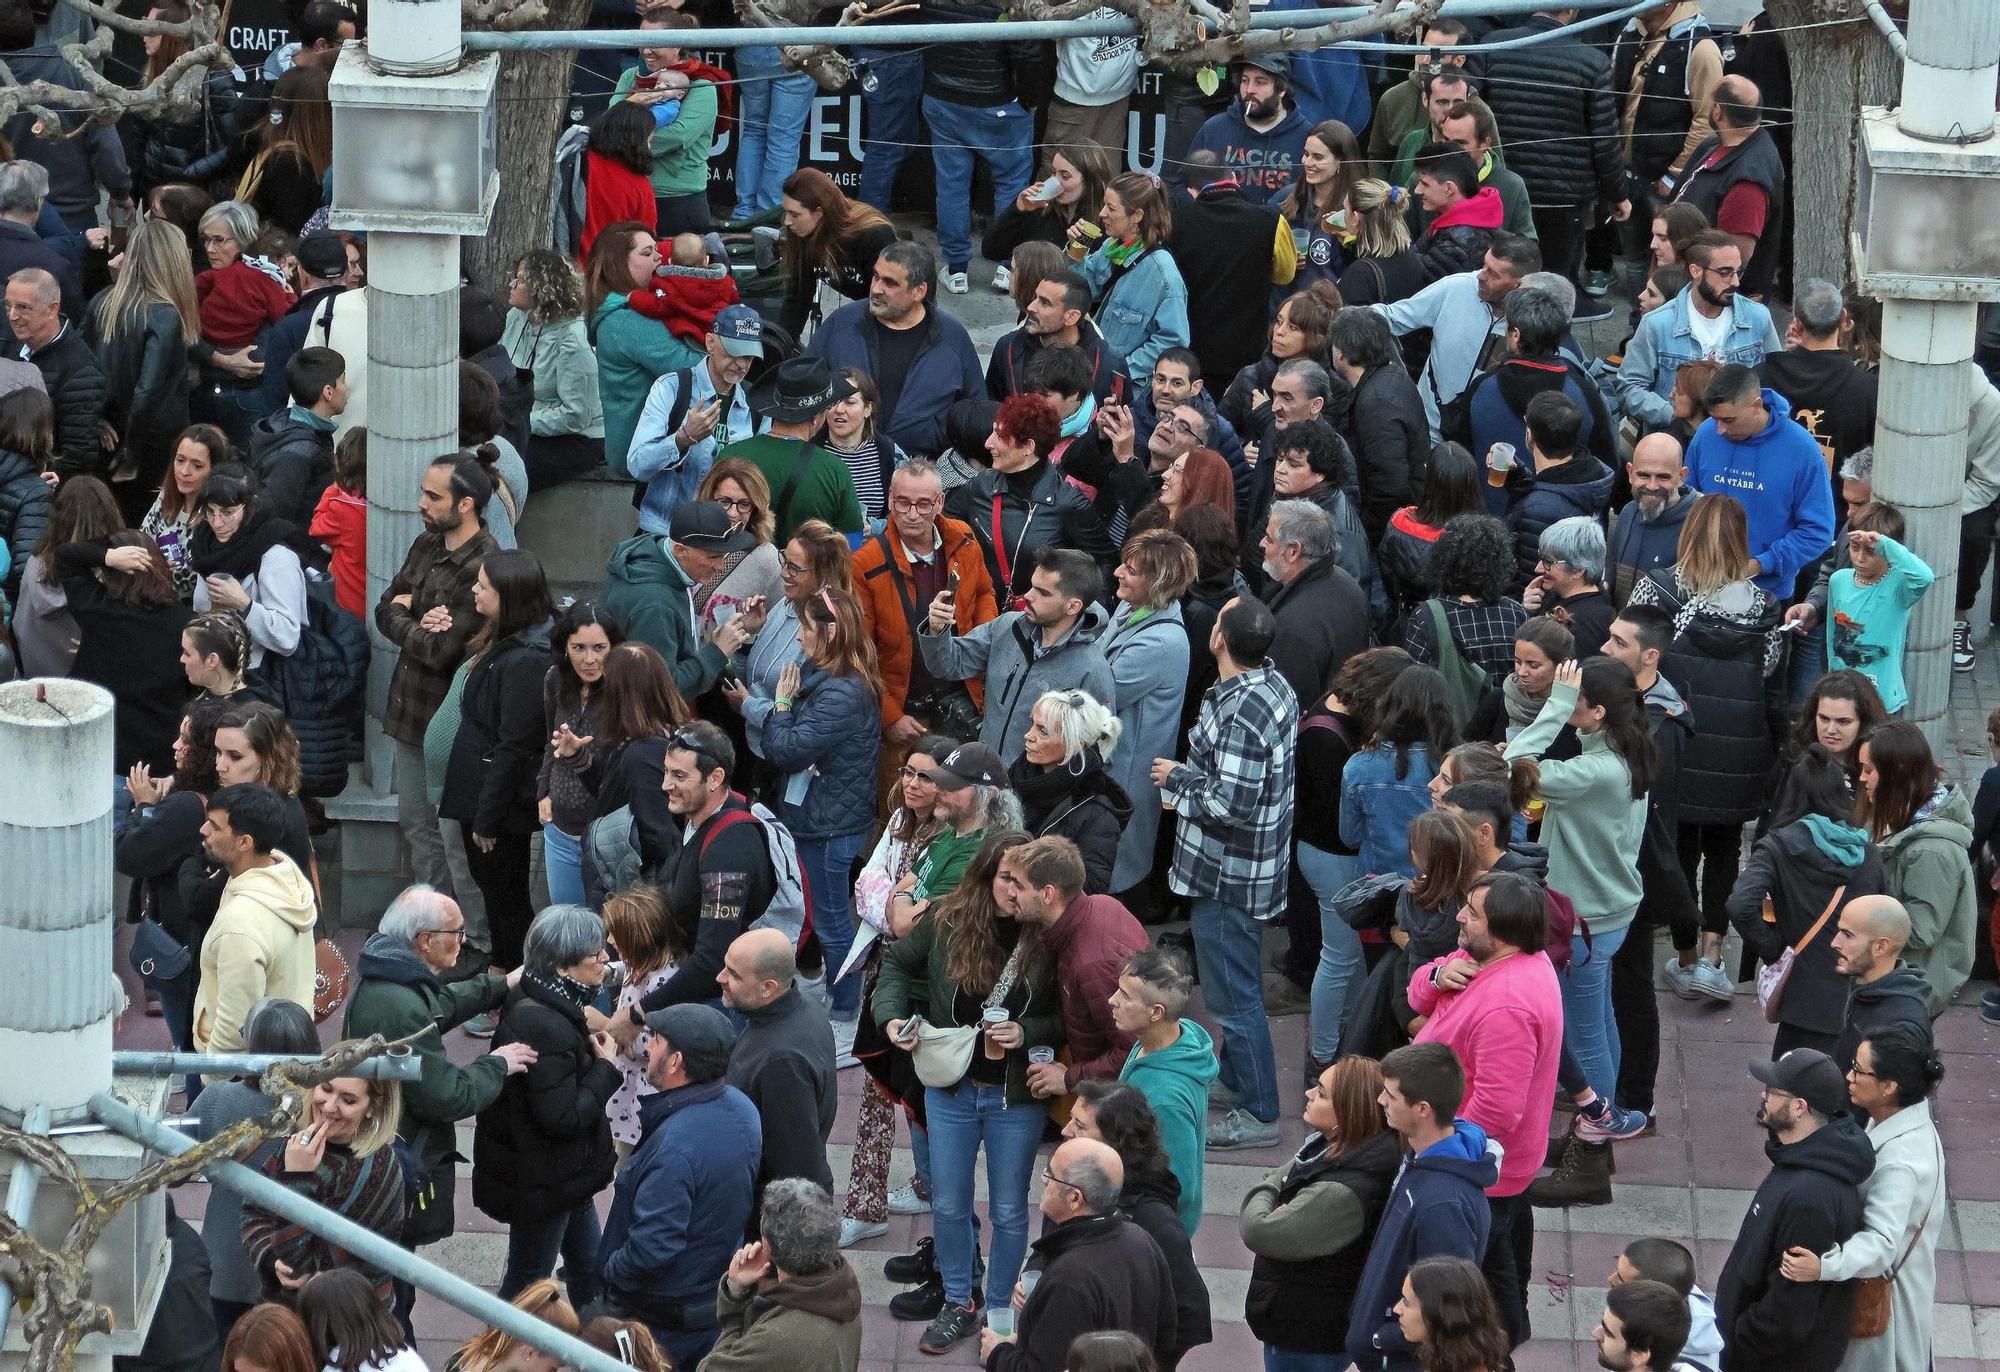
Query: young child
(341, 522)
(674, 86)
(687, 292)
(1868, 604)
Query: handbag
(943, 1052)
(1875, 1296)
(330, 970)
(156, 955)
(1771, 980)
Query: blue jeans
(889, 116)
(534, 1245)
(959, 1120)
(1291, 1360)
(1228, 953)
(1340, 960)
(773, 106)
(1004, 135)
(1808, 662)
(562, 862)
(1589, 1027)
(826, 863)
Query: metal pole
(398, 1065)
(21, 1189)
(365, 1244)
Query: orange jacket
(882, 602)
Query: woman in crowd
(1198, 477)
(740, 488)
(891, 1075)
(1141, 299)
(1724, 660)
(494, 1351)
(141, 328)
(1080, 171)
(237, 295)
(1840, 710)
(1510, 704)
(1896, 1071)
(129, 621)
(1109, 1350)
(1147, 649)
(547, 337)
(27, 446)
(1117, 1114)
(182, 205)
(239, 555)
(1690, 410)
(343, 1159)
(1316, 206)
(629, 1341)
(582, 639)
(1308, 1223)
(960, 962)
(1800, 874)
(1024, 505)
(1382, 267)
(1593, 816)
(1300, 329)
(199, 450)
(1452, 488)
(1313, 463)
(1065, 785)
(1211, 532)
(268, 1338)
(1386, 786)
(618, 170)
(681, 145)
(481, 422)
(542, 1151)
(1662, 285)
(253, 743)
(626, 762)
(191, 146)
(1673, 228)
(823, 735)
(872, 457)
(830, 241)
(489, 787)
(1030, 265)
(1469, 614)
(646, 944)
(1444, 852)
(1448, 1315)
(633, 351)
(1923, 826)
(816, 558)
(46, 635)
(284, 181)
(352, 1329)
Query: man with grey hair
(24, 189)
(400, 990)
(1322, 612)
(69, 369)
(784, 1060)
(790, 1302)
(1541, 356)
(1569, 581)
(1099, 1271)
(1831, 394)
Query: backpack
(611, 847)
(1464, 682)
(319, 686)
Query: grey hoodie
(1008, 652)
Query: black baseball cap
(323, 256)
(706, 527)
(1808, 1074)
(969, 764)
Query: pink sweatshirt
(1507, 1028)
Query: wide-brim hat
(800, 389)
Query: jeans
(1808, 662)
(232, 408)
(533, 1246)
(1340, 959)
(773, 106)
(889, 116)
(959, 1119)
(826, 863)
(1291, 1360)
(1004, 136)
(1227, 948)
(562, 860)
(1589, 1027)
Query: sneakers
(1283, 996)
(1963, 659)
(483, 1026)
(1989, 1005)
(1241, 1129)
(1596, 283)
(1705, 980)
(955, 283)
(843, 1044)
(1615, 1127)
(1003, 278)
(1590, 309)
(853, 1231)
(954, 1323)
(906, 1269)
(904, 1200)
(1583, 1178)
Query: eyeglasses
(734, 505)
(216, 240)
(458, 933)
(1174, 424)
(1726, 273)
(1856, 1071)
(902, 506)
(1048, 1174)
(792, 571)
(912, 774)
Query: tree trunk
(1835, 71)
(534, 105)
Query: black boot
(1584, 1178)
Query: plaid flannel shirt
(1234, 794)
(431, 575)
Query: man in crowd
(1238, 248)
(1569, 580)
(1321, 612)
(1436, 1209)
(1750, 448)
(261, 942)
(1671, 1265)
(70, 372)
(784, 1060)
(1099, 1270)
(1231, 848)
(1401, 108)
(1261, 136)
(691, 415)
(683, 1199)
(807, 481)
(1642, 1329)
(322, 276)
(1812, 1200)
(1177, 379)
(648, 581)
(1471, 127)
(1562, 482)
(1710, 318)
(292, 450)
(922, 360)
(1539, 358)
(1648, 532)
(1172, 1062)
(1442, 91)
(324, 26)
(1831, 394)
(1051, 645)
(24, 186)
(1868, 944)
(1464, 315)
(1460, 215)
(428, 615)
(1086, 939)
(1384, 426)
(1737, 179)
(789, 1302)
(973, 802)
(1056, 316)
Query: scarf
(567, 988)
(1124, 254)
(1080, 421)
(708, 588)
(1521, 707)
(242, 555)
(1844, 843)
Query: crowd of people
(1292, 566)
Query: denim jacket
(1664, 341)
(1377, 807)
(1143, 313)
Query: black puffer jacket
(24, 512)
(1580, 486)
(850, 277)
(1151, 1201)
(75, 383)
(1391, 439)
(1088, 808)
(1303, 1303)
(489, 784)
(195, 147)
(984, 74)
(295, 462)
(1554, 101)
(1038, 509)
(1404, 558)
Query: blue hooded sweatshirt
(1436, 1209)
(1265, 162)
(1780, 478)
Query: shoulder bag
(1874, 1297)
(1771, 980)
(943, 1052)
(1463, 678)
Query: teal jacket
(648, 592)
(1592, 826)
(1175, 1082)
(632, 353)
(1926, 866)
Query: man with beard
(1642, 1329)
(1648, 532)
(1322, 612)
(1464, 313)
(1737, 179)
(1811, 1200)
(1057, 316)
(1260, 136)
(1750, 448)
(1868, 941)
(1177, 376)
(1709, 318)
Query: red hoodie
(1480, 211)
(686, 300)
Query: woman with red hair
(1024, 504)
(1199, 476)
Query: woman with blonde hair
(141, 327)
(1141, 297)
(741, 489)
(1064, 781)
(547, 337)
(284, 181)
(494, 1351)
(830, 242)
(1382, 267)
(642, 939)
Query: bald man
(70, 373)
(784, 1059)
(1737, 179)
(1099, 1271)
(1648, 530)
(1868, 947)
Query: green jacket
(632, 353)
(648, 592)
(680, 149)
(825, 488)
(1927, 868)
(800, 1324)
(1174, 1082)
(1592, 826)
(1517, 215)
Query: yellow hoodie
(261, 944)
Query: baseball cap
(705, 526)
(1276, 63)
(322, 256)
(1808, 1074)
(969, 764)
(701, 1034)
(741, 331)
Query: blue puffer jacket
(1142, 312)
(1580, 486)
(835, 728)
